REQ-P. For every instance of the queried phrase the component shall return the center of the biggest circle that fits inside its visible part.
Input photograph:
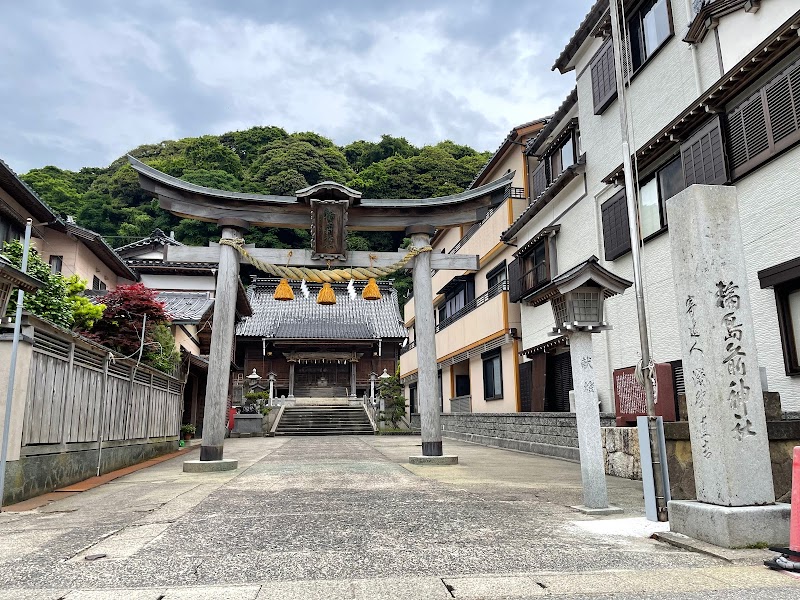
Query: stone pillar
(271, 387)
(222, 338)
(372, 377)
(291, 380)
(727, 425)
(425, 327)
(587, 415)
(353, 365)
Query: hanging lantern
(371, 291)
(326, 295)
(283, 291)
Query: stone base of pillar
(608, 510)
(210, 466)
(447, 459)
(731, 526)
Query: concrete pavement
(348, 517)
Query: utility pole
(633, 221)
(13, 366)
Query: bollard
(794, 520)
(789, 560)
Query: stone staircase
(320, 419)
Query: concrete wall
(38, 474)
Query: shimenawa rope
(321, 275)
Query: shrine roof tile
(186, 307)
(303, 318)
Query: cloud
(90, 86)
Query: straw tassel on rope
(326, 295)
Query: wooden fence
(80, 393)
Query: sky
(84, 81)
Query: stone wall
(549, 434)
(783, 436)
(621, 452)
(38, 474)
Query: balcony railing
(472, 305)
(461, 404)
(410, 346)
(516, 192)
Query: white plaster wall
(178, 282)
(740, 31)
(769, 209)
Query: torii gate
(328, 209)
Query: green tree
(394, 402)
(161, 351)
(208, 153)
(84, 312)
(49, 302)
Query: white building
(714, 96)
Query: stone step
(324, 420)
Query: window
(785, 280)
(97, 284)
(492, 375)
(535, 269)
(604, 78)
(462, 385)
(648, 29)
(412, 398)
(653, 195)
(562, 153)
(561, 157)
(788, 300)
(616, 236)
(462, 292)
(9, 230)
(765, 123)
(55, 263)
(649, 209)
(703, 156)
(497, 275)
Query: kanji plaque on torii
(329, 209)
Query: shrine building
(316, 350)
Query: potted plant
(187, 431)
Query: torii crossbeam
(329, 209)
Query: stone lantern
(253, 379)
(577, 298)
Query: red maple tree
(121, 326)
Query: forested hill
(265, 160)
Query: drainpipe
(633, 222)
(693, 49)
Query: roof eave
(564, 62)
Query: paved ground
(347, 517)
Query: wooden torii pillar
(333, 209)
